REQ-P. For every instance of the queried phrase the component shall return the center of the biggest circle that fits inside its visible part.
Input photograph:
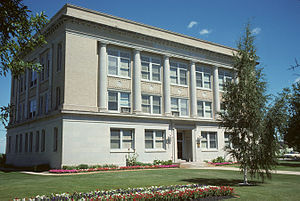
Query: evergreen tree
(292, 136)
(245, 100)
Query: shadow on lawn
(220, 182)
(290, 164)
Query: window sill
(209, 150)
(151, 81)
(155, 150)
(119, 76)
(178, 85)
(121, 151)
(204, 89)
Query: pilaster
(216, 92)
(166, 86)
(193, 90)
(102, 78)
(136, 78)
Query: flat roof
(129, 25)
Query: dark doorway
(180, 144)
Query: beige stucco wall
(81, 71)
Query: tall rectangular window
(37, 141)
(33, 78)
(151, 68)
(41, 106)
(26, 143)
(119, 101)
(151, 104)
(225, 76)
(9, 144)
(203, 77)
(30, 141)
(42, 72)
(55, 139)
(209, 140)
(118, 63)
(178, 73)
(59, 57)
(179, 107)
(47, 70)
(121, 139)
(46, 109)
(21, 143)
(32, 108)
(204, 109)
(43, 141)
(155, 139)
(16, 144)
(227, 140)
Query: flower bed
(223, 163)
(178, 192)
(60, 171)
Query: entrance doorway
(180, 144)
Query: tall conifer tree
(245, 100)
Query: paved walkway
(191, 167)
(237, 169)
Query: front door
(179, 144)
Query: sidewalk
(237, 169)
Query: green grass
(15, 184)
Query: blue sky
(275, 23)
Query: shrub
(131, 159)
(82, 166)
(162, 162)
(219, 159)
(2, 159)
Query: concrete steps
(192, 165)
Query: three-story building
(111, 87)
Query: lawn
(15, 184)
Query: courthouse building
(112, 87)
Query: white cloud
(191, 24)
(297, 80)
(205, 31)
(256, 30)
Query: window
(209, 140)
(119, 101)
(224, 77)
(33, 78)
(59, 57)
(203, 77)
(118, 63)
(155, 139)
(16, 144)
(21, 143)
(227, 140)
(32, 108)
(41, 106)
(178, 73)
(26, 142)
(204, 109)
(47, 65)
(37, 141)
(121, 138)
(55, 139)
(9, 144)
(151, 104)
(179, 107)
(222, 108)
(30, 141)
(150, 68)
(42, 72)
(46, 109)
(43, 141)
(57, 103)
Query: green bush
(131, 159)
(219, 159)
(162, 162)
(143, 164)
(82, 166)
